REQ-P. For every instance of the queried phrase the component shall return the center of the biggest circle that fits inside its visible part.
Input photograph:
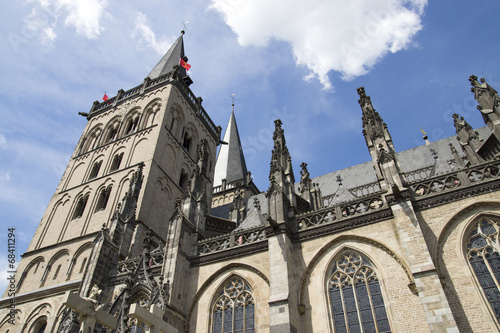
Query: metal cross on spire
(183, 31)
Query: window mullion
(492, 274)
(369, 292)
(233, 310)
(357, 306)
(344, 307)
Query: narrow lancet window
(355, 296)
(117, 160)
(95, 169)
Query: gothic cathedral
(150, 230)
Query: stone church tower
(146, 153)
(150, 230)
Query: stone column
(283, 313)
(437, 310)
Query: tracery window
(234, 310)
(355, 296)
(483, 253)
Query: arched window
(175, 121)
(117, 160)
(39, 325)
(95, 170)
(186, 142)
(102, 202)
(483, 253)
(80, 206)
(132, 124)
(234, 309)
(355, 296)
(112, 132)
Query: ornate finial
(148, 238)
(178, 203)
(473, 80)
(339, 180)
(232, 101)
(425, 137)
(361, 92)
(256, 203)
(183, 32)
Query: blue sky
(290, 59)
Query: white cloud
(4, 176)
(83, 15)
(38, 24)
(3, 142)
(147, 36)
(347, 37)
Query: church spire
(230, 164)
(171, 59)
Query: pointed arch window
(355, 296)
(234, 309)
(483, 253)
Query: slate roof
(169, 60)
(409, 160)
(420, 157)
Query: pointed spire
(230, 164)
(171, 59)
(379, 143)
(373, 124)
(281, 159)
